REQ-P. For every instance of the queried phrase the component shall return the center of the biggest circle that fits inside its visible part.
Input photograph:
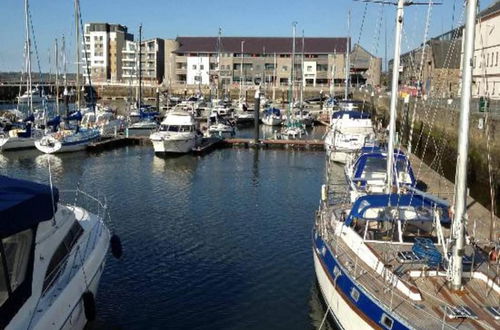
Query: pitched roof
(261, 45)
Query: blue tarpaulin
(351, 114)
(364, 203)
(23, 204)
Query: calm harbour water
(214, 242)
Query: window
(60, 256)
(197, 78)
(354, 294)
(17, 250)
(201, 66)
(309, 68)
(194, 66)
(386, 321)
(284, 68)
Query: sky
(370, 23)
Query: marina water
(220, 241)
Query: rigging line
(432, 104)
(35, 45)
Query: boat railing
(72, 262)
(77, 197)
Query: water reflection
(318, 308)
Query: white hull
(62, 306)
(272, 121)
(16, 143)
(173, 146)
(50, 145)
(339, 156)
(344, 315)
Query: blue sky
(168, 19)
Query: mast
(139, 101)
(241, 71)
(77, 26)
(347, 64)
(218, 63)
(29, 82)
(291, 98)
(394, 94)
(56, 55)
(302, 80)
(274, 78)
(463, 146)
(334, 68)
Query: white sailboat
(72, 137)
(24, 137)
(387, 261)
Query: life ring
(89, 305)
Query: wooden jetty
(117, 142)
(207, 145)
(275, 143)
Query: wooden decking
(274, 143)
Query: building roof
(261, 45)
(492, 9)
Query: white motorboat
(349, 132)
(272, 117)
(146, 124)
(245, 117)
(53, 258)
(33, 95)
(105, 121)
(67, 140)
(305, 117)
(177, 134)
(18, 139)
(293, 132)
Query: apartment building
(112, 56)
(255, 60)
(102, 51)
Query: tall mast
(394, 94)
(77, 43)
(274, 78)
(334, 68)
(291, 98)
(218, 63)
(56, 55)
(463, 146)
(302, 74)
(347, 64)
(65, 76)
(29, 82)
(139, 101)
(241, 71)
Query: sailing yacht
(403, 261)
(53, 256)
(25, 135)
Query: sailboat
(403, 261)
(293, 127)
(25, 135)
(73, 137)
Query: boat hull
(272, 121)
(180, 146)
(336, 287)
(16, 143)
(51, 145)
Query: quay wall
(435, 139)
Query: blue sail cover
(24, 204)
(77, 115)
(271, 111)
(29, 118)
(54, 121)
(364, 203)
(351, 114)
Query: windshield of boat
(376, 168)
(176, 128)
(15, 253)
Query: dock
(276, 143)
(207, 145)
(116, 142)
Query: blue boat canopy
(351, 114)
(29, 118)
(23, 204)
(415, 200)
(271, 111)
(77, 115)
